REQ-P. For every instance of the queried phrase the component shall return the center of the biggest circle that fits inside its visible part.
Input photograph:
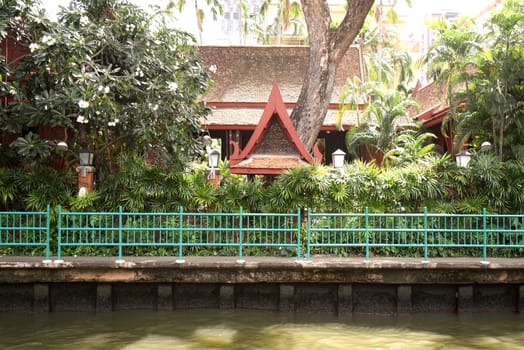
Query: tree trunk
(327, 47)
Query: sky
(416, 15)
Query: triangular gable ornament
(274, 146)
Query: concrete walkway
(322, 269)
(318, 261)
(217, 261)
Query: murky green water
(257, 330)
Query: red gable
(274, 146)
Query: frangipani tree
(116, 78)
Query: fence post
(59, 234)
(299, 221)
(425, 261)
(180, 259)
(484, 246)
(240, 238)
(308, 248)
(48, 235)
(367, 233)
(120, 260)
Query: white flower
(33, 47)
(103, 88)
(48, 40)
(84, 20)
(154, 107)
(213, 68)
(80, 119)
(139, 72)
(83, 104)
(173, 86)
(113, 123)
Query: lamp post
(85, 156)
(463, 158)
(485, 146)
(213, 157)
(85, 171)
(338, 158)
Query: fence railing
(239, 233)
(181, 232)
(26, 230)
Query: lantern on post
(213, 157)
(463, 158)
(85, 156)
(85, 171)
(485, 146)
(338, 158)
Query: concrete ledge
(325, 284)
(260, 269)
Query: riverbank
(322, 284)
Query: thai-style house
(244, 78)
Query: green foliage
(303, 187)
(488, 72)
(238, 191)
(31, 148)
(496, 94)
(140, 186)
(450, 59)
(410, 146)
(382, 117)
(85, 202)
(35, 187)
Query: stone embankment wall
(339, 286)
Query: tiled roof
(428, 98)
(246, 74)
(249, 117)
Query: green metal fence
(180, 232)
(239, 233)
(395, 234)
(26, 230)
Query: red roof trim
(258, 171)
(436, 119)
(238, 104)
(228, 127)
(253, 127)
(427, 114)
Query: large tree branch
(327, 47)
(347, 31)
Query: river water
(257, 330)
